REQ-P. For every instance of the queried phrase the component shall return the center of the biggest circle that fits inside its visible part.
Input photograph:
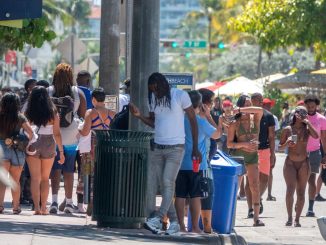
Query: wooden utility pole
(144, 53)
(109, 47)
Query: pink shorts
(264, 161)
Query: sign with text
(183, 81)
(111, 103)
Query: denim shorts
(15, 157)
(70, 152)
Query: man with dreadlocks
(166, 116)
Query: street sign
(183, 81)
(65, 48)
(20, 9)
(195, 44)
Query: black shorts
(188, 184)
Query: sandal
(46, 212)
(258, 223)
(297, 224)
(2, 209)
(288, 223)
(16, 211)
(37, 212)
(271, 198)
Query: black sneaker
(53, 208)
(319, 198)
(310, 213)
(250, 214)
(70, 208)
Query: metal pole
(109, 46)
(129, 7)
(144, 53)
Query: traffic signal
(187, 55)
(170, 44)
(221, 45)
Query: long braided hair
(163, 97)
(63, 80)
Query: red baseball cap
(227, 103)
(300, 102)
(268, 101)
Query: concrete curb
(219, 239)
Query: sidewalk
(28, 229)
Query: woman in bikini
(296, 168)
(98, 118)
(245, 129)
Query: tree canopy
(281, 23)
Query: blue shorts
(70, 152)
(15, 157)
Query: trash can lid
(225, 165)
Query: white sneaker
(173, 229)
(81, 208)
(153, 224)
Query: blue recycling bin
(225, 174)
(226, 171)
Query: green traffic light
(174, 45)
(187, 55)
(221, 45)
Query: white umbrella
(240, 85)
(203, 85)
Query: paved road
(275, 216)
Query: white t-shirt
(124, 99)
(169, 123)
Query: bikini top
(100, 122)
(242, 131)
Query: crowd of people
(55, 125)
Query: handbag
(18, 142)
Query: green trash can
(120, 178)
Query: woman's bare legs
(34, 165)
(15, 172)
(302, 180)
(290, 176)
(253, 178)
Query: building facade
(172, 12)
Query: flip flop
(271, 198)
(288, 223)
(297, 224)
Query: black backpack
(121, 119)
(65, 108)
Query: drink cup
(195, 165)
(294, 138)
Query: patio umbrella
(240, 85)
(306, 79)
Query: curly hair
(163, 90)
(40, 109)
(63, 80)
(9, 110)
